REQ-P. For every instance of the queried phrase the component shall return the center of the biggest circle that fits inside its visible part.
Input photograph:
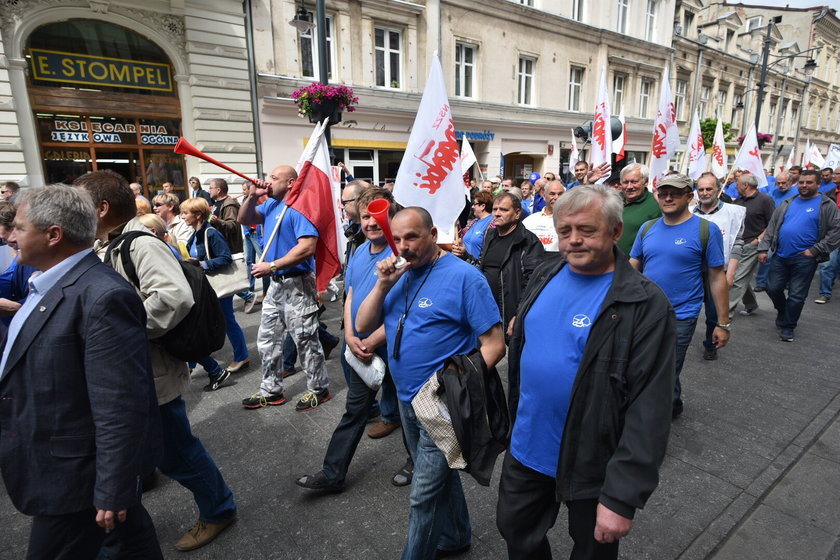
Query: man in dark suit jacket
(77, 433)
(196, 191)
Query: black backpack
(202, 331)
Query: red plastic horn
(378, 209)
(184, 147)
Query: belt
(292, 274)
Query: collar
(42, 283)
(643, 197)
(699, 210)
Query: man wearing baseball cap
(676, 251)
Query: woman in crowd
(194, 212)
(472, 236)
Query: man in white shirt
(541, 223)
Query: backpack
(704, 237)
(202, 331)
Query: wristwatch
(273, 268)
(727, 327)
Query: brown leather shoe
(287, 372)
(382, 429)
(235, 367)
(202, 533)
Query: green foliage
(707, 128)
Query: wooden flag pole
(273, 234)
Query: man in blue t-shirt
(289, 304)
(612, 338)
(359, 280)
(803, 231)
(670, 252)
(435, 307)
(827, 186)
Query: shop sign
(72, 68)
(473, 135)
(109, 132)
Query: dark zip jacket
(525, 254)
(619, 414)
(828, 236)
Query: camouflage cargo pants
(290, 306)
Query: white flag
(619, 143)
(601, 130)
(719, 152)
(833, 159)
(666, 135)
(574, 157)
(791, 155)
(468, 158)
(430, 171)
(696, 149)
(815, 158)
(749, 157)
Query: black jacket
(526, 253)
(619, 414)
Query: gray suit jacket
(79, 421)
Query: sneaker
(235, 367)
(311, 399)
(404, 475)
(201, 534)
(318, 481)
(382, 429)
(676, 410)
(710, 354)
(824, 298)
(258, 401)
(216, 382)
(747, 311)
(786, 335)
(250, 303)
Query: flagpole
(273, 234)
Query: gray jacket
(828, 237)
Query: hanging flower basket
(318, 101)
(761, 137)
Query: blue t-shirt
(572, 185)
(445, 318)
(563, 313)
(361, 276)
(294, 226)
(474, 238)
(672, 256)
(826, 188)
(801, 226)
(779, 196)
(732, 190)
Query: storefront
(103, 97)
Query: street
(752, 470)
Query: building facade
(113, 84)
(519, 75)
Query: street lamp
(301, 21)
(808, 70)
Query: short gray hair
(609, 201)
(515, 201)
(749, 179)
(641, 168)
(60, 205)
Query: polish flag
(815, 158)
(601, 132)
(719, 152)
(468, 159)
(666, 135)
(621, 141)
(749, 157)
(696, 149)
(312, 196)
(430, 173)
(574, 157)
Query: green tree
(707, 128)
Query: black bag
(202, 331)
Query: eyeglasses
(348, 201)
(157, 204)
(671, 194)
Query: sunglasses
(158, 204)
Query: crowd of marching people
(591, 289)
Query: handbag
(372, 373)
(433, 414)
(228, 280)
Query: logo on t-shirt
(809, 209)
(424, 303)
(680, 241)
(581, 321)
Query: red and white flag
(666, 135)
(430, 172)
(574, 156)
(468, 158)
(601, 132)
(814, 157)
(719, 152)
(790, 159)
(619, 143)
(749, 157)
(696, 149)
(312, 196)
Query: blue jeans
(253, 248)
(795, 273)
(711, 317)
(438, 518)
(685, 330)
(762, 275)
(290, 353)
(828, 272)
(351, 427)
(186, 461)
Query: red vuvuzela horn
(378, 209)
(184, 147)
